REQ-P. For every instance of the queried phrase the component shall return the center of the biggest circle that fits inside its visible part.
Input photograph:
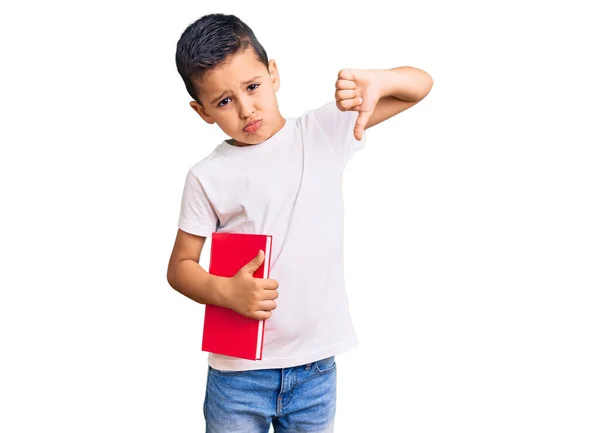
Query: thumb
(361, 123)
(255, 263)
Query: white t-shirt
(252, 189)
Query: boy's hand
(249, 296)
(357, 90)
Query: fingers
(346, 95)
(270, 295)
(346, 74)
(269, 284)
(261, 315)
(345, 85)
(348, 104)
(347, 99)
(267, 305)
(341, 95)
(265, 310)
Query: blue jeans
(295, 399)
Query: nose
(246, 107)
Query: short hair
(210, 41)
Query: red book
(227, 332)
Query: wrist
(404, 82)
(221, 289)
(383, 80)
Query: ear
(274, 73)
(202, 112)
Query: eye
(220, 103)
(251, 87)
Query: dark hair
(208, 42)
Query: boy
(280, 176)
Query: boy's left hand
(357, 90)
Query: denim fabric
(295, 399)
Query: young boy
(280, 176)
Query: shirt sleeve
(197, 215)
(338, 127)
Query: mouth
(253, 126)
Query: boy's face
(240, 91)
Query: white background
(472, 234)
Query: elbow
(171, 275)
(427, 84)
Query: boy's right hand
(249, 296)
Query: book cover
(227, 332)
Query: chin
(249, 141)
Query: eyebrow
(218, 98)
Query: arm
(185, 274)
(249, 296)
(378, 94)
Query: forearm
(191, 280)
(404, 82)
